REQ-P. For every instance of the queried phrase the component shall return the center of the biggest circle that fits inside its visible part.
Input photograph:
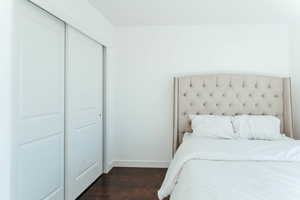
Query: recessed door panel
(87, 156)
(83, 112)
(39, 60)
(40, 111)
(42, 165)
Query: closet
(58, 145)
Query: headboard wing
(227, 94)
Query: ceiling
(195, 12)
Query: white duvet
(211, 169)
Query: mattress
(214, 169)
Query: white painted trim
(109, 167)
(141, 163)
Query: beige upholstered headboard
(228, 94)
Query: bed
(215, 169)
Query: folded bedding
(218, 169)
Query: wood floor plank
(126, 184)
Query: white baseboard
(141, 163)
(108, 167)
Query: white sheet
(210, 169)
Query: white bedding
(211, 169)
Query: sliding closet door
(40, 111)
(83, 112)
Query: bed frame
(230, 94)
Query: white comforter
(210, 169)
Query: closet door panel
(40, 111)
(40, 173)
(83, 116)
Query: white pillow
(257, 127)
(212, 126)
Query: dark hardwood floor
(126, 184)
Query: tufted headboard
(228, 94)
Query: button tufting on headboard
(231, 95)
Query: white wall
(6, 41)
(149, 57)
